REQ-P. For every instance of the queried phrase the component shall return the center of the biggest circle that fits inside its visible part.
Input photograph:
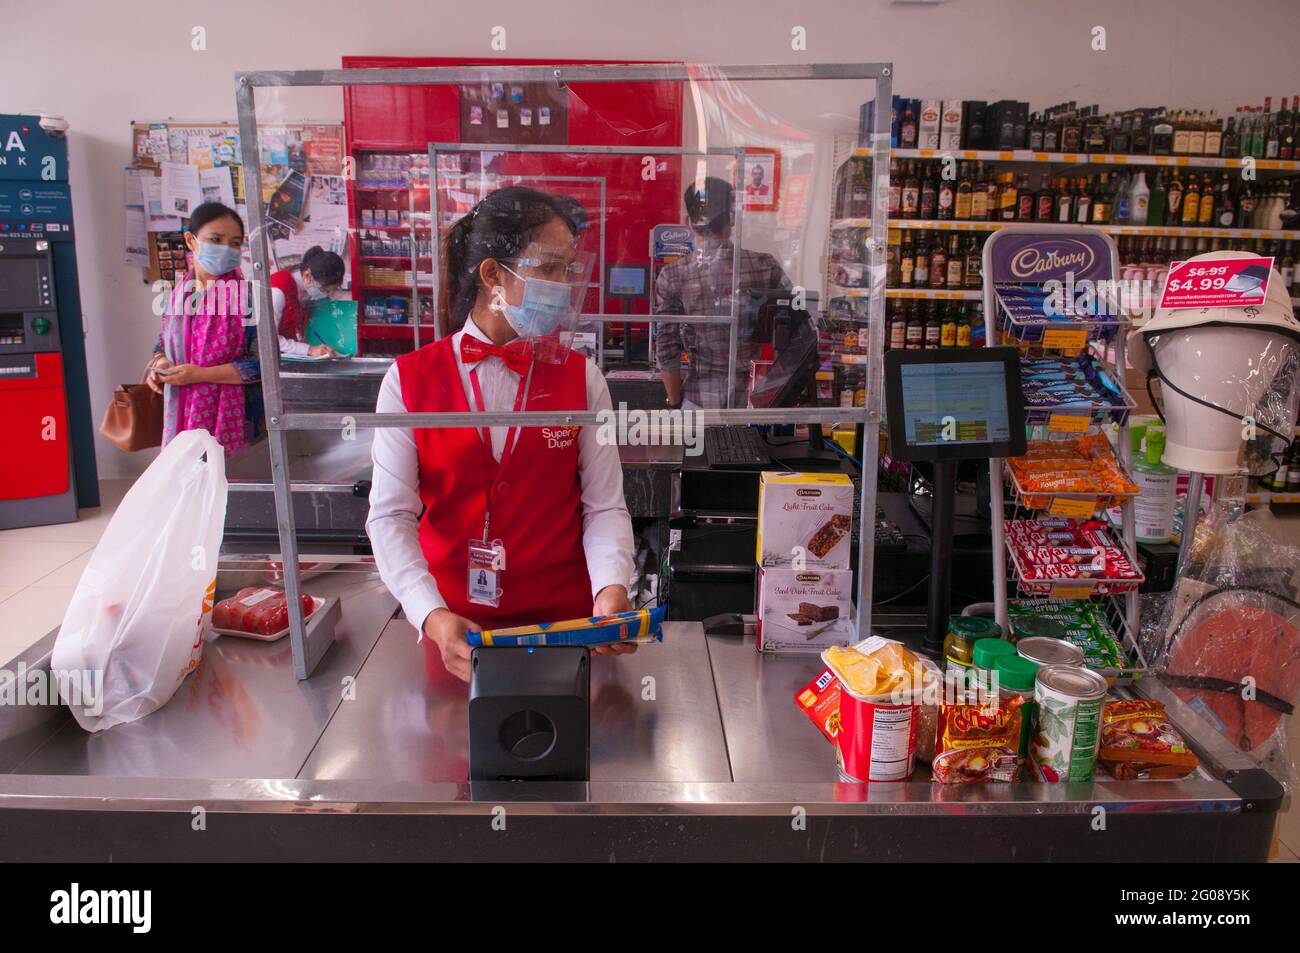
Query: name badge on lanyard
(487, 557)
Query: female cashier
(552, 498)
(318, 277)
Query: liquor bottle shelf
(851, 223)
(939, 293)
(1095, 158)
(1190, 232)
(1264, 497)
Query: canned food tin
(1049, 651)
(1034, 627)
(1069, 701)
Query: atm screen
(20, 283)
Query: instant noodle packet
(1139, 742)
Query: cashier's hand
(609, 601)
(447, 631)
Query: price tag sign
(1067, 339)
(1229, 283)
(1070, 590)
(1069, 423)
(1061, 506)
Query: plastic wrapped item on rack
(1085, 625)
(1228, 639)
(1082, 385)
(641, 625)
(1077, 466)
(1055, 552)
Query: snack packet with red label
(977, 744)
(1139, 742)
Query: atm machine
(45, 425)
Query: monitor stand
(812, 454)
(939, 602)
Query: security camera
(55, 126)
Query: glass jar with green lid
(1016, 675)
(1034, 626)
(963, 632)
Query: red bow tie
(516, 354)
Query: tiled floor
(40, 568)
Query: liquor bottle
(1174, 213)
(911, 192)
(1231, 146)
(915, 327)
(963, 328)
(979, 195)
(895, 188)
(1121, 134)
(1097, 133)
(898, 329)
(933, 328)
(929, 192)
(1082, 202)
(1214, 134)
(956, 262)
(1102, 209)
(1162, 135)
(1036, 130)
(1024, 199)
(1141, 144)
(907, 128)
(1007, 198)
(992, 189)
(1123, 210)
(1158, 202)
(921, 271)
(1271, 143)
(1182, 134)
(1225, 207)
(947, 325)
(1051, 131)
(1044, 200)
(906, 260)
(974, 264)
(1191, 202)
(1286, 134)
(1247, 205)
(893, 258)
(938, 262)
(1062, 203)
(1071, 130)
(947, 198)
(1139, 199)
(1196, 135)
(962, 209)
(1286, 267)
(1206, 211)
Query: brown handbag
(134, 418)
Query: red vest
(536, 501)
(293, 321)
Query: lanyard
(512, 435)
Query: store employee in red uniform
(317, 277)
(548, 499)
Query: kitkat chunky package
(805, 520)
(641, 625)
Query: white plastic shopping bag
(136, 622)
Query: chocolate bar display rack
(1062, 329)
(1094, 254)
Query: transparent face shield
(541, 294)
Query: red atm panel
(33, 427)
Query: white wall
(103, 64)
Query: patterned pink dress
(206, 328)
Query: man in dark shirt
(700, 283)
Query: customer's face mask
(544, 308)
(313, 291)
(216, 259)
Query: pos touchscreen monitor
(954, 404)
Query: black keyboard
(740, 447)
(889, 538)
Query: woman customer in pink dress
(205, 362)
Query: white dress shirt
(393, 524)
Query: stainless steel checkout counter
(698, 752)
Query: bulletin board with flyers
(176, 166)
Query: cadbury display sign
(1040, 258)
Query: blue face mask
(217, 259)
(545, 307)
(315, 292)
